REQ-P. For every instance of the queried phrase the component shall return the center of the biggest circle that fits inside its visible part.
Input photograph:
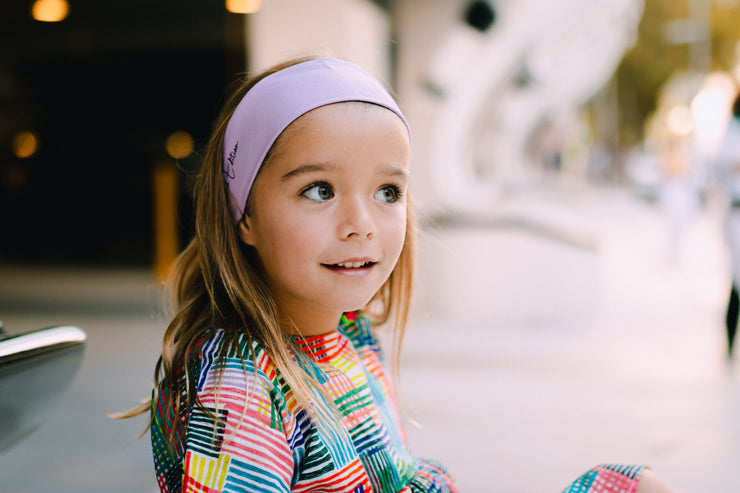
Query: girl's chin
(352, 305)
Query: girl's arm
(432, 476)
(234, 446)
(617, 478)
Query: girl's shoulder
(220, 350)
(219, 342)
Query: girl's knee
(651, 483)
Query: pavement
(564, 330)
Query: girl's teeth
(351, 265)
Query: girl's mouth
(345, 266)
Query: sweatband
(279, 99)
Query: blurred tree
(725, 33)
(654, 58)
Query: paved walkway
(527, 360)
(564, 357)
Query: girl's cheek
(401, 223)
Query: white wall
(422, 29)
(357, 30)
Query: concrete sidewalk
(527, 361)
(553, 359)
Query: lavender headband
(279, 99)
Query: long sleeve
(431, 477)
(225, 444)
(246, 449)
(608, 478)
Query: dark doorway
(102, 90)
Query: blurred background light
(680, 121)
(179, 145)
(25, 144)
(711, 110)
(243, 6)
(50, 10)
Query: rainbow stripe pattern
(608, 478)
(271, 444)
(265, 442)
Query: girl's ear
(245, 231)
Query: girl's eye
(318, 192)
(389, 193)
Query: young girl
(271, 377)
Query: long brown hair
(215, 283)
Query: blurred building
(88, 103)
(107, 108)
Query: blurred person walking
(678, 196)
(727, 165)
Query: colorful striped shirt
(608, 478)
(271, 444)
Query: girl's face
(328, 215)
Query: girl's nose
(356, 220)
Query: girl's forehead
(334, 121)
(351, 110)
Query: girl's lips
(353, 262)
(352, 266)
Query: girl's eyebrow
(306, 169)
(316, 167)
(396, 171)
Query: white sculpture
(539, 60)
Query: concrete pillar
(357, 30)
(166, 242)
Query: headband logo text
(228, 169)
